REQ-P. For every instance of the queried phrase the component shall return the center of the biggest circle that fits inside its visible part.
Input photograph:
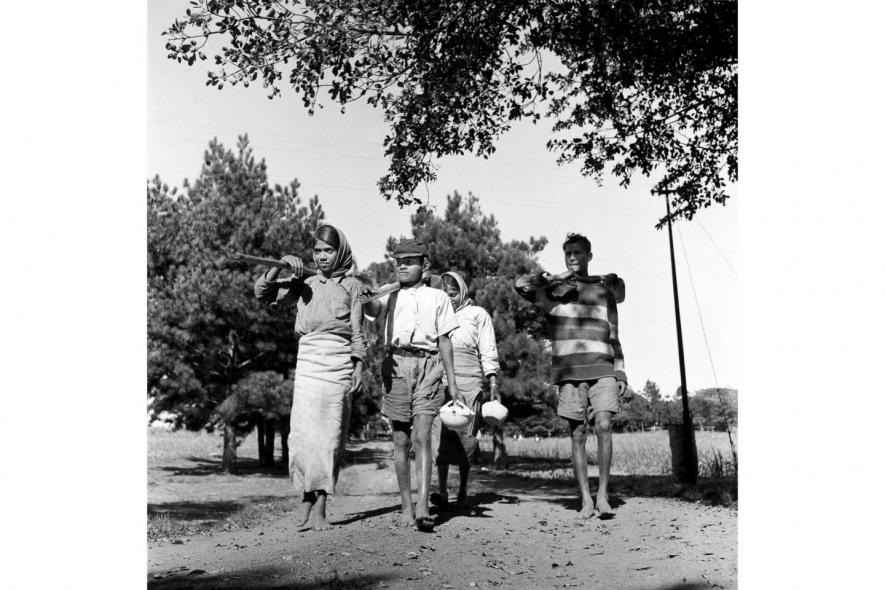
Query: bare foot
(603, 509)
(318, 521)
(587, 511)
(303, 513)
(407, 517)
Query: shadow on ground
(357, 516)
(245, 467)
(368, 455)
(201, 466)
(201, 511)
(716, 492)
(268, 578)
(534, 464)
(478, 507)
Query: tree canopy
(205, 330)
(646, 86)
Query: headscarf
(462, 300)
(343, 263)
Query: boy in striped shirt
(588, 364)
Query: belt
(410, 352)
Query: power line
(715, 245)
(707, 344)
(697, 305)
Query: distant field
(164, 445)
(635, 453)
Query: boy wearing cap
(588, 363)
(415, 323)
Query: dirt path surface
(518, 534)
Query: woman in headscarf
(476, 357)
(331, 350)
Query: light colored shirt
(474, 348)
(321, 305)
(421, 315)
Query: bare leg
(579, 460)
(307, 502)
(603, 428)
(401, 447)
(318, 515)
(464, 472)
(423, 463)
(442, 470)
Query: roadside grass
(635, 453)
(184, 470)
(641, 463)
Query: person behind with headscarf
(476, 356)
(331, 350)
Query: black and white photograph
(452, 295)
(442, 294)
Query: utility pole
(685, 465)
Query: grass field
(635, 453)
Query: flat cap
(410, 247)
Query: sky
(340, 158)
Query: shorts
(412, 386)
(577, 397)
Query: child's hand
(456, 394)
(366, 294)
(357, 381)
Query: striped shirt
(583, 327)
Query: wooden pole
(689, 475)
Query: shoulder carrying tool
(240, 257)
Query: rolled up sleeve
(275, 292)
(446, 321)
(358, 339)
(488, 348)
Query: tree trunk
(499, 449)
(262, 450)
(269, 434)
(229, 455)
(284, 438)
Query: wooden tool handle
(427, 278)
(564, 276)
(240, 257)
(381, 292)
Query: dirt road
(519, 534)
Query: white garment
(421, 315)
(474, 347)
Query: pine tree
(206, 331)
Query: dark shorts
(581, 400)
(412, 386)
